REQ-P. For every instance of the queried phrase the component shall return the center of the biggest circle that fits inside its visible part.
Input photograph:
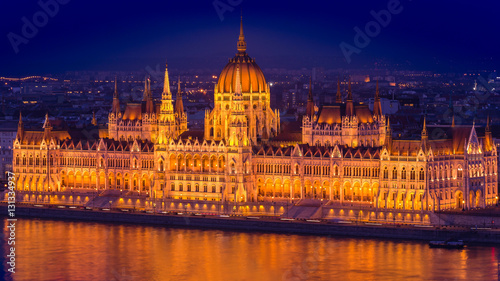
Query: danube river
(65, 250)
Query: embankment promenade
(479, 235)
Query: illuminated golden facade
(346, 156)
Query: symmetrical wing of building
(346, 154)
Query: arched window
(412, 174)
(422, 174)
(386, 173)
(403, 173)
(172, 187)
(394, 173)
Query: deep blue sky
(131, 35)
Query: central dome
(252, 78)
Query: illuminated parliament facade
(346, 155)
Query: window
(214, 189)
(386, 173)
(172, 187)
(403, 173)
(394, 173)
(421, 174)
(181, 187)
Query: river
(67, 250)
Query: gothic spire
(116, 100)
(46, 123)
(377, 107)
(339, 95)
(424, 129)
(242, 45)
(310, 101)
(179, 106)
(349, 91)
(349, 110)
(94, 121)
(166, 84)
(20, 127)
(47, 127)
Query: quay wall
(263, 224)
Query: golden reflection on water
(63, 250)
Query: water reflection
(61, 250)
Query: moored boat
(448, 244)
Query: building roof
(332, 114)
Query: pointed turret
(148, 96)
(339, 94)
(20, 127)
(238, 130)
(238, 95)
(166, 85)
(488, 139)
(145, 93)
(179, 106)
(388, 135)
(349, 110)
(242, 45)
(310, 102)
(116, 100)
(94, 121)
(47, 127)
(424, 136)
(377, 106)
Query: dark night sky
(130, 35)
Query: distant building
(8, 131)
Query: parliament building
(346, 154)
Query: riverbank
(265, 224)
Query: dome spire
(242, 45)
